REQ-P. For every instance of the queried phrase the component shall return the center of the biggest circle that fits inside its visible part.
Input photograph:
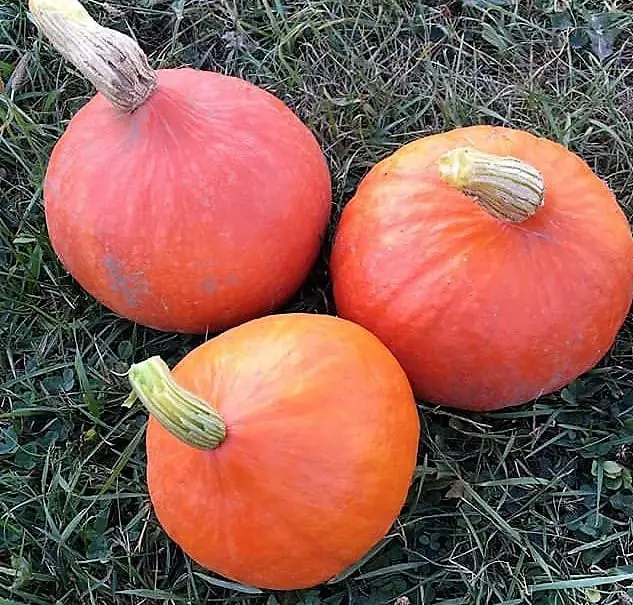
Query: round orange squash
(281, 451)
(181, 199)
(495, 265)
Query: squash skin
(484, 314)
(202, 209)
(322, 438)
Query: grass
(528, 505)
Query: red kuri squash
(280, 451)
(181, 199)
(495, 265)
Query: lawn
(528, 505)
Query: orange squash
(495, 265)
(281, 451)
(181, 199)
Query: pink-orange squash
(181, 199)
(494, 264)
(280, 451)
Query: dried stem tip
(112, 61)
(506, 187)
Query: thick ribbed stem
(506, 187)
(112, 61)
(184, 415)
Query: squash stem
(509, 189)
(112, 61)
(182, 413)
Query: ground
(528, 505)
